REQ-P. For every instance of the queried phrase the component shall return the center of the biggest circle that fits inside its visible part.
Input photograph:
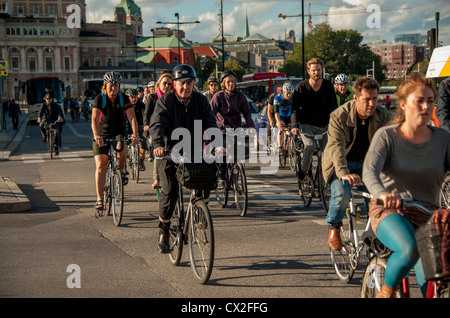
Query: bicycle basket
(434, 250)
(198, 176)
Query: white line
(76, 133)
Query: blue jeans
(341, 194)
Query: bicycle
(113, 194)
(290, 149)
(346, 259)
(51, 132)
(313, 181)
(236, 181)
(445, 193)
(193, 227)
(373, 279)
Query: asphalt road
(58, 249)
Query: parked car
(254, 111)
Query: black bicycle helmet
(140, 89)
(112, 78)
(227, 73)
(183, 72)
(213, 79)
(131, 92)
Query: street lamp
(178, 30)
(154, 54)
(303, 34)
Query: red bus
(260, 86)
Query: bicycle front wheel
(343, 260)
(292, 153)
(201, 241)
(117, 197)
(324, 190)
(373, 277)
(240, 189)
(445, 193)
(107, 191)
(136, 161)
(176, 239)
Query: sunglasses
(166, 83)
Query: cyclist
(344, 91)
(139, 113)
(350, 131)
(85, 109)
(282, 104)
(213, 85)
(108, 121)
(151, 87)
(181, 107)
(443, 104)
(313, 101)
(140, 91)
(50, 113)
(407, 159)
(228, 105)
(163, 85)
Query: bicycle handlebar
(316, 137)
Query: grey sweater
(395, 165)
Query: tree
(233, 64)
(342, 51)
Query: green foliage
(342, 51)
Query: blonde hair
(406, 88)
(161, 78)
(314, 60)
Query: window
(35, 11)
(67, 63)
(20, 11)
(32, 63)
(48, 64)
(15, 63)
(97, 61)
(51, 11)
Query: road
(279, 250)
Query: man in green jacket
(350, 131)
(344, 92)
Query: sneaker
(56, 152)
(163, 244)
(124, 178)
(301, 175)
(141, 166)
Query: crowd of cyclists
(391, 157)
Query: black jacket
(443, 104)
(170, 113)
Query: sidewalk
(12, 198)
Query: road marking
(282, 197)
(33, 159)
(76, 133)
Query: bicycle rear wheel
(240, 189)
(117, 197)
(201, 241)
(222, 194)
(176, 239)
(342, 260)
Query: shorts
(286, 121)
(105, 149)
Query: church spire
(247, 31)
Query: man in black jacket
(312, 103)
(443, 104)
(181, 107)
(51, 113)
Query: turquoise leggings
(397, 233)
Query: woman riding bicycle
(228, 105)
(108, 121)
(408, 159)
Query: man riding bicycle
(312, 103)
(108, 121)
(282, 104)
(139, 108)
(350, 131)
(50, 113)
(181, 107)
(344, 92)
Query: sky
(393, 17)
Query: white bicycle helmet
(151, 84)
(288, 87)
(112, 78)
(341, 79)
